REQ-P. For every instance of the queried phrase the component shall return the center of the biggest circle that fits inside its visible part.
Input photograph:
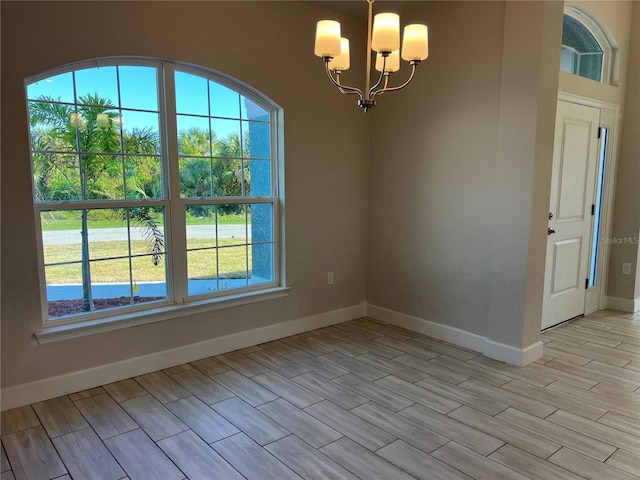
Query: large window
(154, 184)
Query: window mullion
(177, 232)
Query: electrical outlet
(329, 278)
(626, 268)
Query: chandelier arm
(343, 88)
(414, 64)
(384, 64)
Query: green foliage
(82, 152)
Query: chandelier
(385, 40)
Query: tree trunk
(87, 301)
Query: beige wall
(627, 198)
(433, 149)
(325, 156)
(465, 156)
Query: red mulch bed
(60, 308)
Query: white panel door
(570, 215)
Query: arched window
(155, 184)
(587, 49)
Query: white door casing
(570, 223)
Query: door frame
(596, 297)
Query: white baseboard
(47, 388)
(489, 348)
(623, 304)
(512, 355)
(426, 327)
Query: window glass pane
(261, 263)
(591, 66)
(257, 141)
(114, 285)
(201, 226)
(141, 132)
(56, 177)
(149, 278)
(224, 101)
(253, 111)
(52, 127)
(57, 87)
(228, 178)
(97, 86)
(232, 266)
(98, 130)
(233, 215)
(108, 233)
(110, 279)
(104, 177)
(193, 136)
(195, 177)
(577, 36)
(144, 177)
(258, 181)
(61, 239)
(64, 290)
(147, 230)
(202, 271)
(138, 87)
(226, 136)
(260, 222)
(260, 226)
(191, 94)
(569, 60)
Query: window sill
(91, 327)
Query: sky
(134, 89)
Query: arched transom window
(587, 49)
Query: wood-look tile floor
(357, 400)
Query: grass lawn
(60, 221)
(201, 264)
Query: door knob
(551, 230)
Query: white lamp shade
(415, 42)
(327, 38)
(393, 62)
(341, 62)
(386, 32)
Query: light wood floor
(356, 400)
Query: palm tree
(91, 129)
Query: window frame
(178, 301)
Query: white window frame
(178, 302)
